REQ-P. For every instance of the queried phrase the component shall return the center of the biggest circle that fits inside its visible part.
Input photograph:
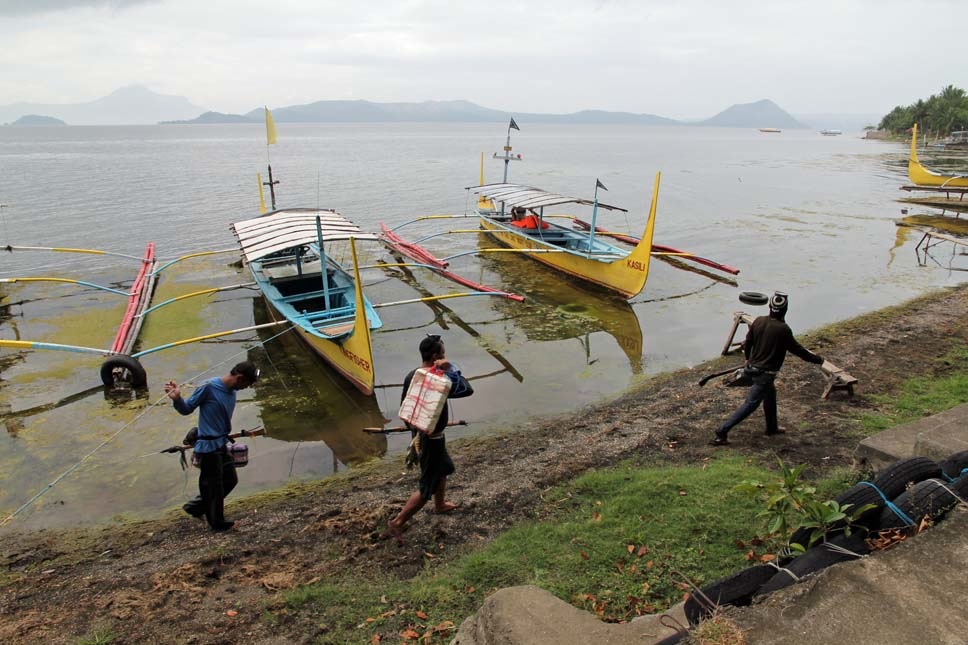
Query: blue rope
(901, 514)
(952, 480)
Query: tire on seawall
(954, 464)
(817, 558)
(735, 589)
(894, 480)
(931, 497)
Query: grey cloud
(29, 7)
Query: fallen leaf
(649, 564)
(231, 613)
(682, 493)
(596, 517)
(429, 555)
(421, 615)
(383, 599)
(642, 550)
(631, 548)
(757, 541)
(409, 634)
(618, 565)
(767, 557)
(376, 639)
(633, 569)
(370, 619)
(583, 555)
(740, 545)
(645, 587)
(750, 555)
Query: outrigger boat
(515, 216)
(921, 176)
(286, 253)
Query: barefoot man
(435, 463)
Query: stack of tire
(917, 487)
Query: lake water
(810, 215)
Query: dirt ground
(163, 580)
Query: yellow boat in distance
(922, 176)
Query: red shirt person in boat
(529, 220)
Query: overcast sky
(674, 58)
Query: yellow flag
(270, 129)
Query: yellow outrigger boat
(922, 176)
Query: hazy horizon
(685, 61)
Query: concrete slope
(913, 593)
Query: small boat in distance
(831, 133)
(921, 176)
(770, 130)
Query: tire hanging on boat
(122, 370)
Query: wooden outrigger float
(122, 368)
(921, 176)
(514, 216)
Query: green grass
(618, 542)
(922, 395)
(98, 637)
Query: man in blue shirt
(215, 401)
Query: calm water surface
(798, 212)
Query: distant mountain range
(127, 106)
(139, 105)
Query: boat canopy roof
(285, 229)
(520, 196)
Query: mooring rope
(127, 425)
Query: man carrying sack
(767, 342)
(426, 391)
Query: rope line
(901, 514)
(127, 425)
(795, 577)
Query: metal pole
(322, 261)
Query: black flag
(514, 126)
(599, 184)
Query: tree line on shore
(939, 114)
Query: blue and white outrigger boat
(286, 253)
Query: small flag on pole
(513, 125)
(270, 129)
(599, 184)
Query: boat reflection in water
(558, 308)
(936, 232)
(303, 400)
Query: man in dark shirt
(767, 342)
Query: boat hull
(354, 365)
(921, 176)
(625, 275)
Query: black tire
(930, 497)
(817, 558)
(860, 494)
(737, 589)
(753, 298)
(953, 465)
(894, 480)
(122, 369)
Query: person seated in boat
(517, 214)
(530, 221)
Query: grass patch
(98, 637)
(617, 542)
(943, 389)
